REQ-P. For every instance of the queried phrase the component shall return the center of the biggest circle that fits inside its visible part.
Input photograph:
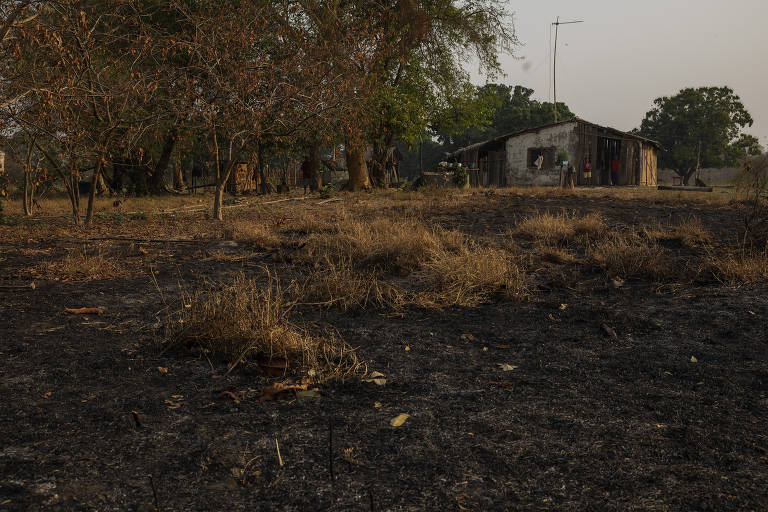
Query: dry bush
(469, 278)
(631, 256)
(383, 245)
(559, 228)
(260, 235)
(242, 319)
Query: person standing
(306, 175)
(588, 172)
(614, 171)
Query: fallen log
(684, 188)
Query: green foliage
(714, 116)
(327, 191)
(460, 177)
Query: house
(513, 159)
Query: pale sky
(611, 67)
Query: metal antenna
(554, 67)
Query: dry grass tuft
(549, 228)
(340, 285)
(740, 267)
(260, 235)
(243, 319)
(82, 265)
(469, 278)
(383, 245)
(631, 256)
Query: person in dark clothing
(306, 175)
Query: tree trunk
(358, 170)
(156, 184)
(686, 174)
(178, 175)
(28, 192)
(92, 195)
(314, 164)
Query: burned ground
(523, 402)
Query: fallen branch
(86, 311)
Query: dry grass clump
(258, 234)
(83, 265)
(383, 245)
(243, 319)
(469, 278)
(631, 256)
(549, 228)
(690, 233)
(341, 286)
(740, 267)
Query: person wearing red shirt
(614, 171)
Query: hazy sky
(626, 54)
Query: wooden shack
(513, 159)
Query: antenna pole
(554, 67)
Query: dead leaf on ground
(609, 331)
(377, 378)
(507, 367)
(308, 393)
(398, 420)
(468, 337)
(500, 383)
(162, 369)
(86, 311)
(694, 360)
(49, 394)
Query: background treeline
(90, 87)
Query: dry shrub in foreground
(243, 319)
(690, 232)
(631, 256)
(550, 228)
(382, 244)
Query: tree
(700, 127)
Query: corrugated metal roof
(499, 138)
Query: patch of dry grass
(470, 278)
(259, 235)
(382, 245)
(740, 267)
(243, 319)
(559, 228)
(85, 265)
(630, 255)
(340, 285)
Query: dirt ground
(513, 405)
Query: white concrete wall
(561, 137)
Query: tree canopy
(701, 125)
